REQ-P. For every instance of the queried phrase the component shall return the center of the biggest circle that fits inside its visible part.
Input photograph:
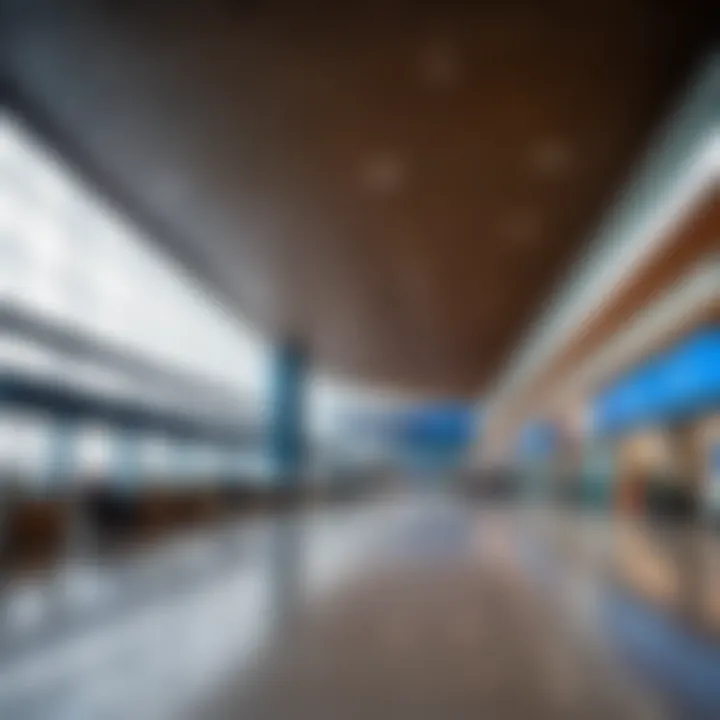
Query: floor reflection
(421, 607)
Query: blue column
(286, 413)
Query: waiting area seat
(34, 532)
(37, 530)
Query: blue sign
(682, 381)
(444, 425)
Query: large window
(68, 258)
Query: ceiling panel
(400, 184)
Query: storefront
(661, 418)
(648, 464)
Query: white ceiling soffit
(697, 291)
(683, 162)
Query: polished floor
(421, 607)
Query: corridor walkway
(414, 607)
(460, 615)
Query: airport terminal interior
(359, 360)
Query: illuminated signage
(680, 382)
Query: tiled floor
(447, 623)
(417, 608)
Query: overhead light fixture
(522, 228)
(550, 157)
(440, 65)
(383, 173)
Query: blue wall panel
(287, 429)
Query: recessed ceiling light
(440, 65)
(550, 157)
(522, 228)
(383, 173)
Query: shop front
(661, 418)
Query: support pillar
(287, 417)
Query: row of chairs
(36, 530)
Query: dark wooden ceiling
(400, 184)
